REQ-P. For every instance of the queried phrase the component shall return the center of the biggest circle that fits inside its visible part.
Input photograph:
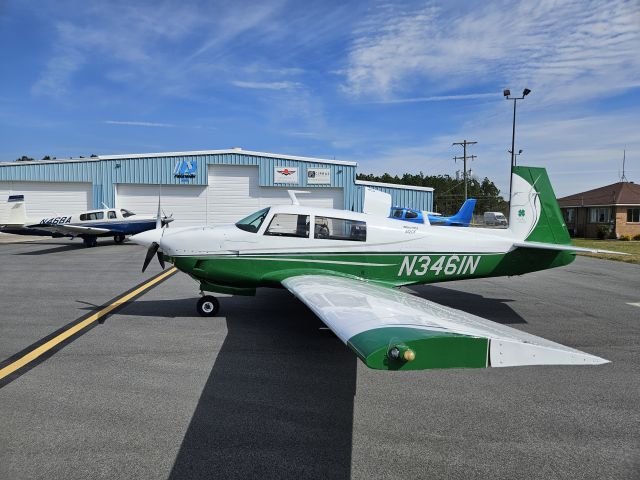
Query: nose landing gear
(208, 306)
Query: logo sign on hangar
(185, 169)
(285, 175)
(318, 176)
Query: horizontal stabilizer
(564, 248)
(392, 330)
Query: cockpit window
(411, 214)
(252, 222)
(92, 216)
(289, 225)
(397, 213)
(126, 213)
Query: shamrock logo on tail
(521, 212)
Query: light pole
(515, 154)
(507, 96)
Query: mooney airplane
(88, 225)
(460, 219)
(344, 266)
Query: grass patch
(632, 247)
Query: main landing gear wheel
(208, 306)
(90, 242)
(118, 238)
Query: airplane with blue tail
(460, 219)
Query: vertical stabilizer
(376, 202)
(17, 210)
(465, 214)
(534, 214)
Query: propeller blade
(160, 259)
(153, 248)
(158, 216)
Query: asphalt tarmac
(263, 391)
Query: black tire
(119, 238)
(90, 242)
(208, 306)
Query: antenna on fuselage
(292, 196)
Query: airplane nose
(147, 238)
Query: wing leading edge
(392, 330)
(71, 230)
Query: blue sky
(390, 85)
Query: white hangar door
(234, 192)
(187, 203)
(43, 199)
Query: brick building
(616, 206)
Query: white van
(495, 219)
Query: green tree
(24, 158)
(449, 191)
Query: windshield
(126, 213)
(252, 222)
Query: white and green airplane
(345, 266)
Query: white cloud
(579, 152)
(439, 98)
(144, 45)
(139, 124)
(266, 85)
(566, 49)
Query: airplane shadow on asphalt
(494, 309)
(67, 247)
(278, 402)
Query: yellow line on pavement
(36, 352)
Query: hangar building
(198, 187)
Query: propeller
(154, 248)
(151, 251)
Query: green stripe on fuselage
(390, 269)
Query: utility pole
(464, 144)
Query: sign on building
(185, 169)
(318, 176)
(285, 175)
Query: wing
(560, 247)
(392, 330)
(68, 229)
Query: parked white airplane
(88, 225)
(343, 265)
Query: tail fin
(534, 214)
(465, 213)
(17, 210)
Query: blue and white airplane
(88, 225)
(460, 219)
